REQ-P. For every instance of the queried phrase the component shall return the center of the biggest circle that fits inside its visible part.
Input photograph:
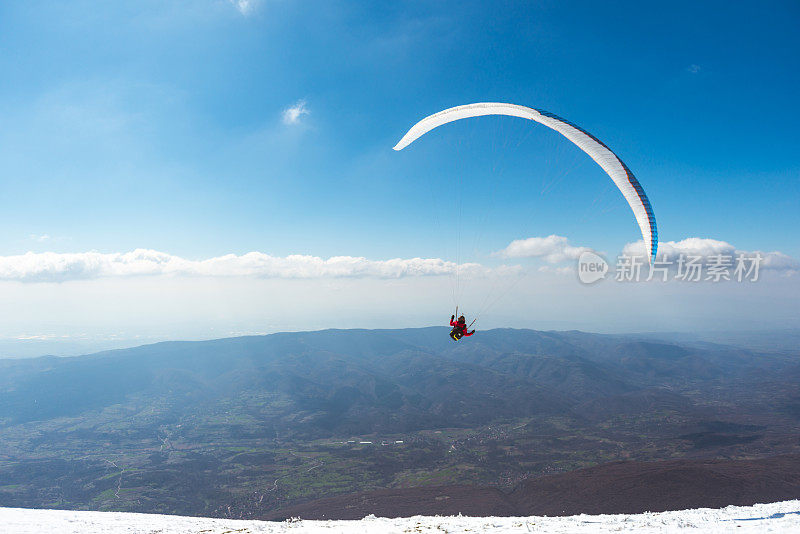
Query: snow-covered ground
(775, 517)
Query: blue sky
(160, 125)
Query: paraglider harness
(459, 327)
(457, 333)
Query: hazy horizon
(778, 339)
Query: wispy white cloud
(295, 113)
(56, 267)
(693, 68)
(245, 7)
(553, 249)
(41, 238)
(705, 248)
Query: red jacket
(462, 327)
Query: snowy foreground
(775, 517)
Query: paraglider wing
(596, 149)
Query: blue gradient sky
(158, 125)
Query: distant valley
(243, 427)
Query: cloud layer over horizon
(554, 250)
(62, 267)
(705, 248)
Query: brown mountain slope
(619, 487)
(635, 487)
(404, 502)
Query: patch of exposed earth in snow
(775, 517)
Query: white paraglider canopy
(596, 149)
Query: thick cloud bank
(555, 249)
(703, 248)
(56, 267)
